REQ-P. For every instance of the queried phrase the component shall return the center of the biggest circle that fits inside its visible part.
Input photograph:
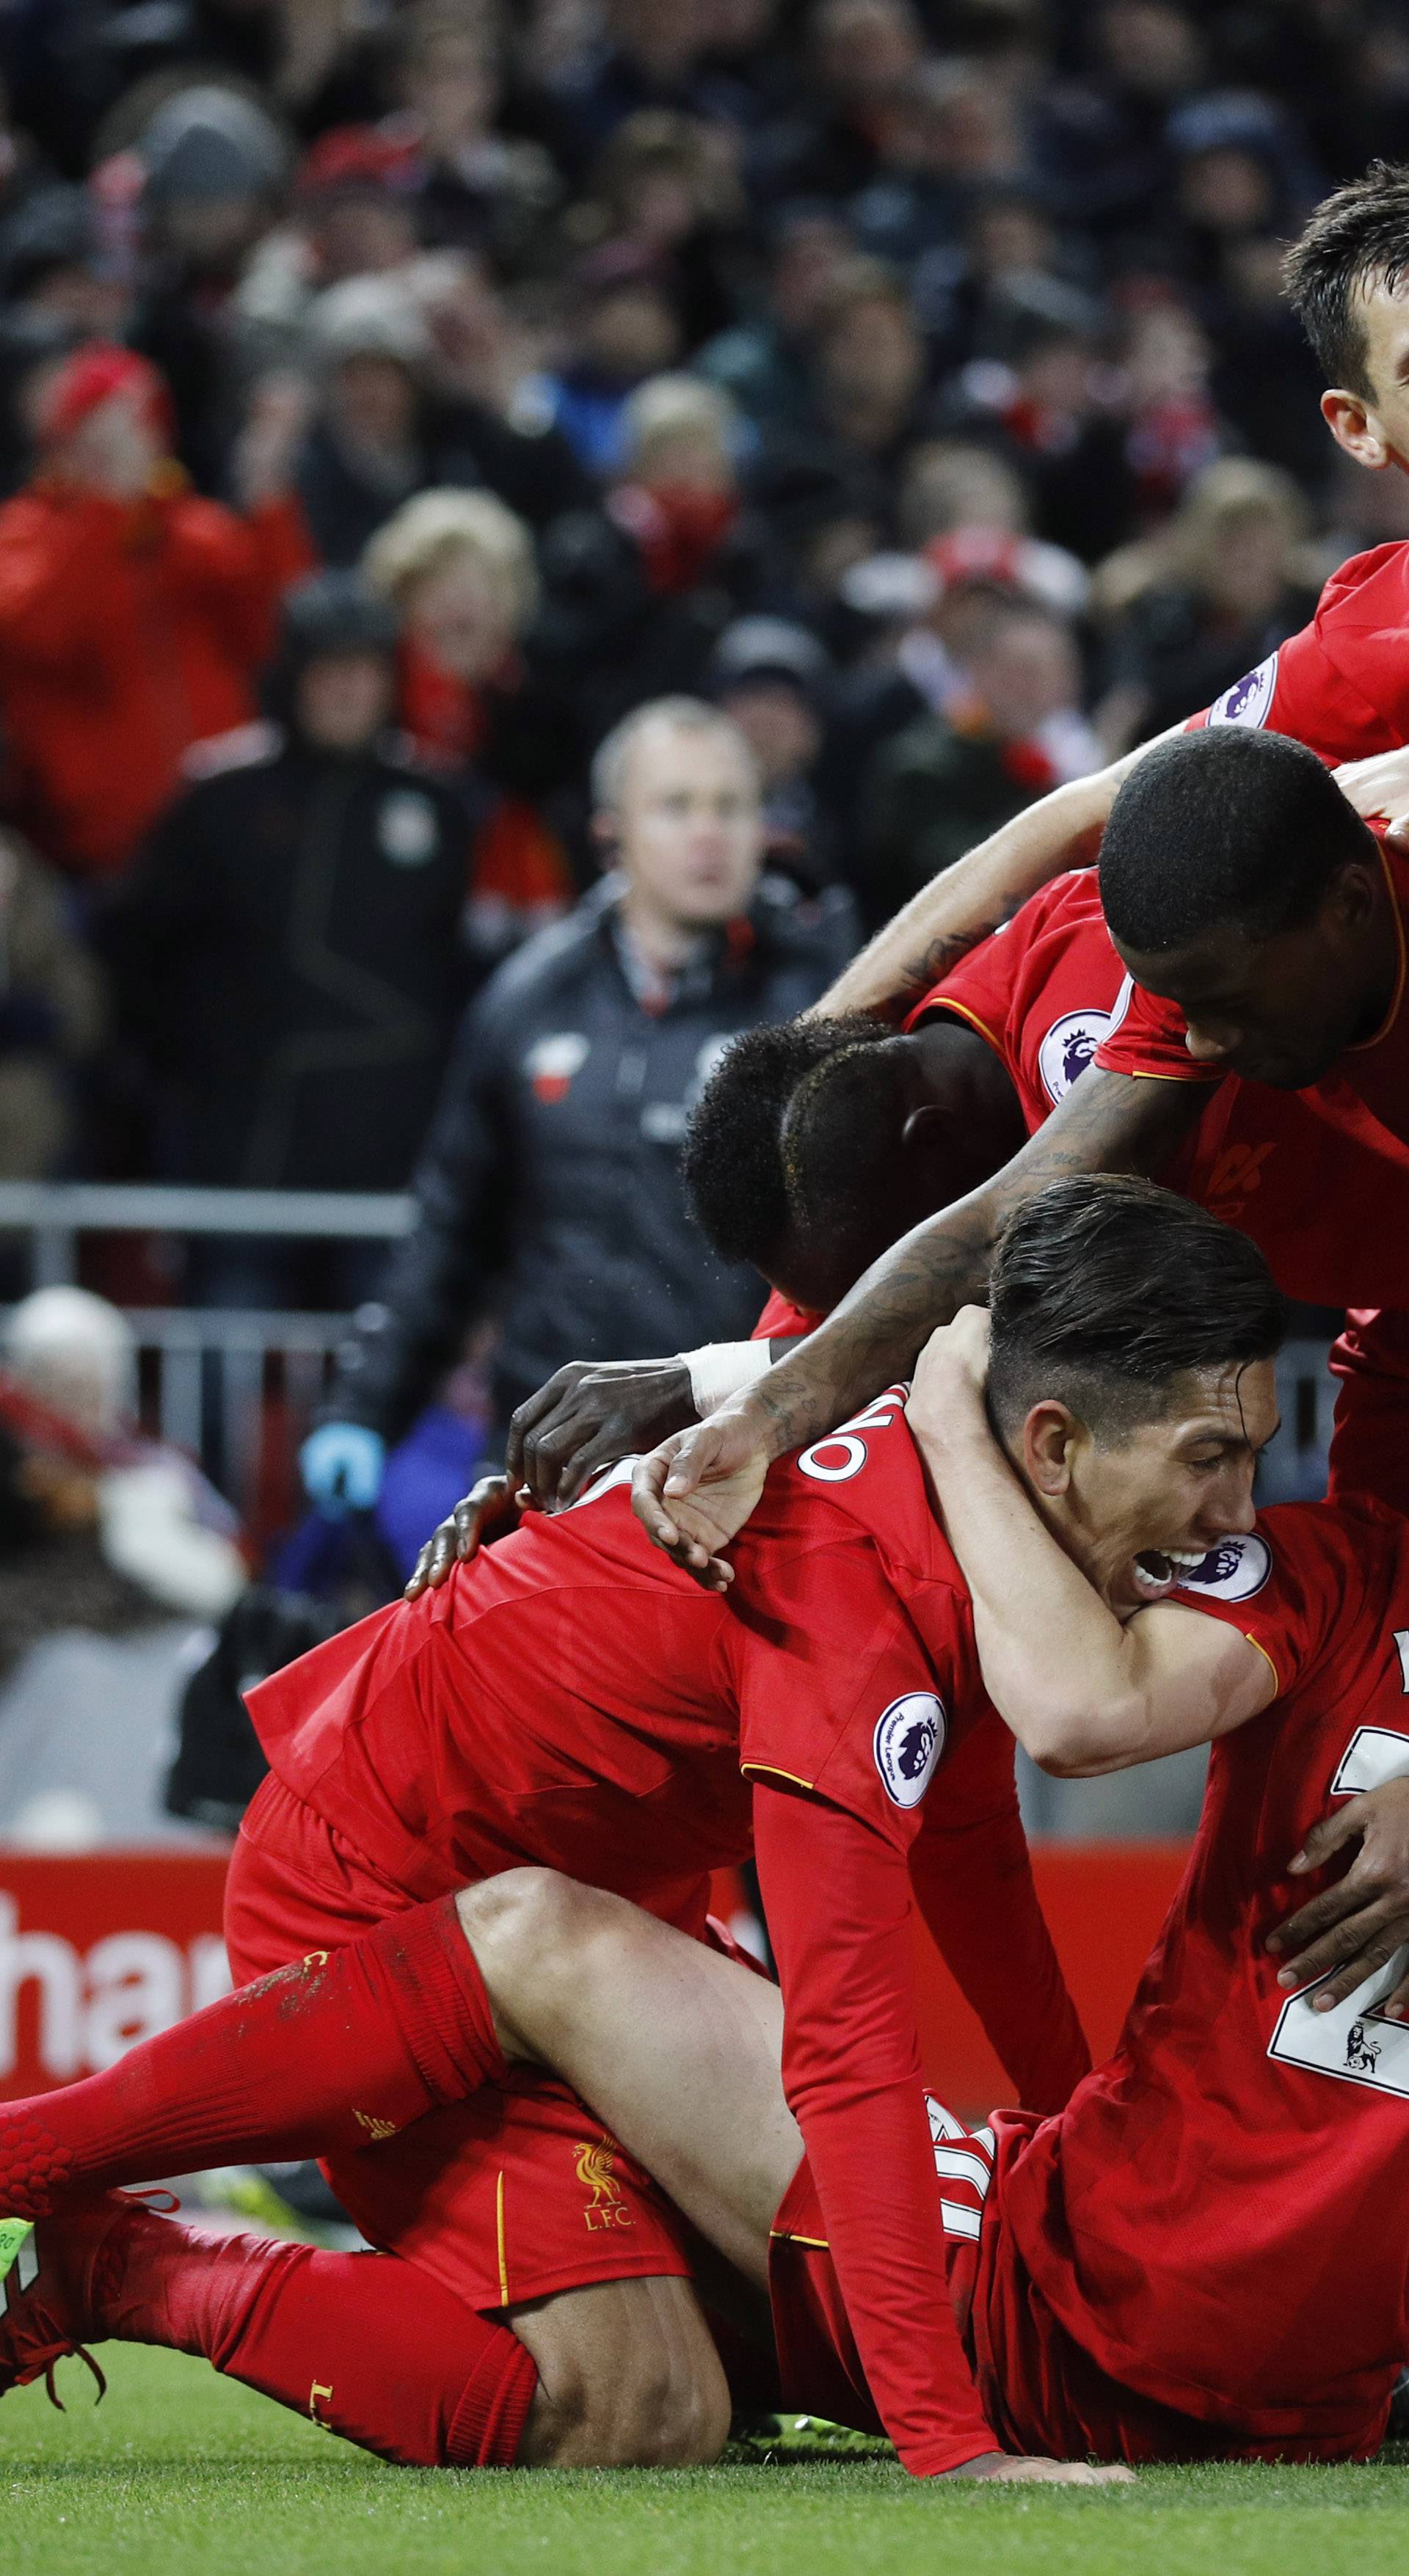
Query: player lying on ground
(1189, 2260)
(816, 1146)
(570, 1698)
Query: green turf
(181, 2474)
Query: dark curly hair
(732, 1160)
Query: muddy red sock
(345, 2048)
(364, 2343)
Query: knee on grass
(628, 2378)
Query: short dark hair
(1105, 1290)
(732, 1161)
(834, 1132)
(1226, 825)
(1357, 238)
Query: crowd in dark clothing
(910, 378)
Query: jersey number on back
(842, 1455)
(1353, 2040)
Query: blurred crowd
(527, 527)
(907, 378)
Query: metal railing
(55, 1213)
(216, 1381)
(215, 1378)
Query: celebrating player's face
(1138, 1510)
(1278, 1010)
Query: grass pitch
(182, 2474)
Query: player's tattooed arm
(698, 1488)
(969, 901)
(1354, 1928)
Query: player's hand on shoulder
(953, 1363)
(1006, 2469)
(491, 1508)
(695, 1492)
(1353, 1929)
(589, 1414)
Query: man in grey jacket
(549, 1195)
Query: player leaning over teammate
(1340, 686)
(1191, 2259)
(817, 1145)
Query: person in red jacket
(135, 615)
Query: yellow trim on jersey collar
(1392, 1014)
(940, 1002)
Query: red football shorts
(1370, 1444)
(1042, 2393)
(512, 2195)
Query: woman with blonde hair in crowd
(1185, 613)
(459, 569)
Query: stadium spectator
(762, 358)
(860, 55)
(1100, 145)
(470, 186)
(210, 165)
(419, 387)
(550, 1193)
(867, 400)
(346, 220)
(947, 780)
(134, 616)
(287, 956)
(362, 455)
(638, 592)
(620, 327)
(666, 186)
(638, 55)
(52, 1015)
(458, 568)
(1188, 611)
(953, 133)
(773, 678)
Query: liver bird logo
(596, 2170)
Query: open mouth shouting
(1159, 1571)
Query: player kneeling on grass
(1136, 1433)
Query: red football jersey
(571, 1687)
(782, 1321)
(1325, 1196)
(1342, 684)
(1216, 2216)
(571, 1698)
(1150, 1041)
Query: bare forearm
(1106, 1124)
(969, 901)
(1047, 1643)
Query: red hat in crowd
(92, 376)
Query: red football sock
(345, 2048)
(364, 2343)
